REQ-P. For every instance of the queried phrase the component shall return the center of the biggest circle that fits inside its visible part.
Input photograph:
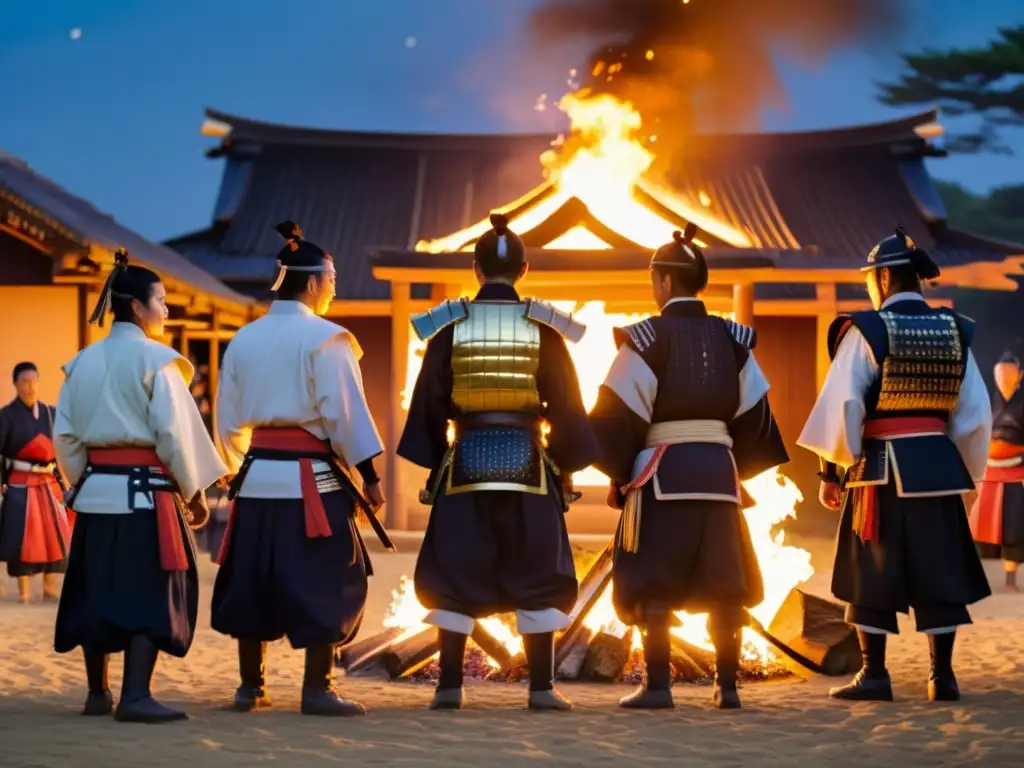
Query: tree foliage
(987, 82)
(1000, 214)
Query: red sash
(865, 498)
(986, 517)
(168, 519)
(47, 525)
(297, 440)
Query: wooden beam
(211, 334)
(397, 513)
(828, 308)
(743, 303)
(214, 382)
(373, 307)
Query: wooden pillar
(397, 512)
(183, 345)
(213, 384)
(828, 308)
(743, 303)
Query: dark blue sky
(114, 115)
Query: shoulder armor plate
(544, 313)
(837, 332)
(428, 324)
(744, 334)
(641, 334)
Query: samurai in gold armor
(905, 412)
(497, 369)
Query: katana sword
(364, 504)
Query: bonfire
(602, 165)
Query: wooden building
(793, 218)
(55, 253)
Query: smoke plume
(700, 64)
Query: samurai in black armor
(905, 412)
(683, 419)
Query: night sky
(113, 113)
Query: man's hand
(830, 494)
(375, 495)
(198, 512)
(615, 500)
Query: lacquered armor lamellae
(495, 354)
(925, 366)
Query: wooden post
(214, 382)
(183, 344)
(743, 303)
(397, 514)
(828, 308)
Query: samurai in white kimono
(293, 424)
(131, 443)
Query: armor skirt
(924, 556)
(488, 552)
(276, 581)
(116, 588)
(693, 555)
(1011, 545)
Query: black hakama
(881, 578)
(275, 581)
(34, 528)
(116, 587)
(496, 551)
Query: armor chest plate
(495, 353)
(925, 364)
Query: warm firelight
(604, 167)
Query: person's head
(133, 294)
(678, 269)
(26, 382)
(305, 271)
(897, 265)
(1007, 374)
(499, 255)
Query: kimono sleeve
(424, 439)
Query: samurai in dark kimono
(997, 518)
(35, 531)
(683, 419)
(905, 412)
(497, 367)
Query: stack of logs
(811, 624)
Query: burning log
(607, 656)
(495, 649)
(574, 654)
(817, 629)
(592, 586)
(691, 662)
(406, 656)
(359, 656)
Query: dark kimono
(491, 551)
(683, 419)
(997, 518)
(35, 532)
(904, 539)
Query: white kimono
(834, 429)
(291, 368)
(128, 390)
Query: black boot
(872, 683)
(99, 701)
(137, 704)
(251, 694)
(540, 658)
(727, 637)
(942, 682)
(318, 695)
(656, 692)
(449, 693)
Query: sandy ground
(782, 722)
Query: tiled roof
(94, 226)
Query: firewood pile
(812, 625)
